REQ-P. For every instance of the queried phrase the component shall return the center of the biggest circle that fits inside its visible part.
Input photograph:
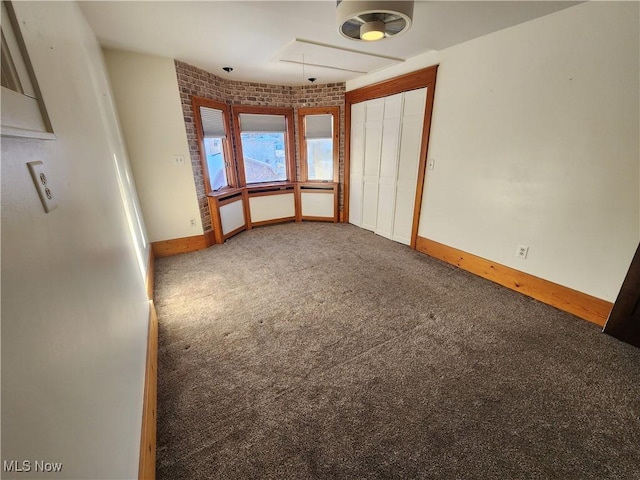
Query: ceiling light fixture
(372, 31)
(228, 69)
(373, 20)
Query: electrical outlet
(179, 160)
(42, 185)
(192, 222)
(522, 251)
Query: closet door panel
(403, 215)
(372, 142)
(393, 106)
(410, 143)
(408, 163)
(386, 138)
(356, 166)
(356, 157)
(358, 113)
(355, 201)
(386, 207)
(387, 177)
(414, 102)
(369, 205)
(389, 148)
(374, 110)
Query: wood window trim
(302, 142)
(24, 113)
(410, 81)
(232, 177)
(289, 140)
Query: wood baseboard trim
(210, 238)
(585, 306)
(176, 246)
(147, 466)
(150, 274)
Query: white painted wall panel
(145, 89)
(74, 303)
(315, 204)
(232, 216)
(271, 207)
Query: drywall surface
(535, 140)
(145, 89)
(74, 306)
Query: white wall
(74, 307)
(145, 89)
(535, 139)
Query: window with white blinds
(260, 123)
(212, 122)
(319, 143)
(318, 126)
(212, 119)
(264, 135)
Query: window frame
(302, 141)
(230, 164)
(23, 110)
(288, 140)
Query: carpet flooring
(321, 351)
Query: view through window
(319, 137)
(263, 139)
(215, 163)
(212, 129)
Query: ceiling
(271, 41)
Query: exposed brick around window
(193, 81)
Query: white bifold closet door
(356, 158)
(386, 137)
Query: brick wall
(193, 81)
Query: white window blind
(256, 123)
(318, 126)
(212, 122)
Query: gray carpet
(324, 351)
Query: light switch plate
(42, 185)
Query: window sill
(225, 192)
(270, 186)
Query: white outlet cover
(43, 187)
(522, 251)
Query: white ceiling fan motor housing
(352, 15)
